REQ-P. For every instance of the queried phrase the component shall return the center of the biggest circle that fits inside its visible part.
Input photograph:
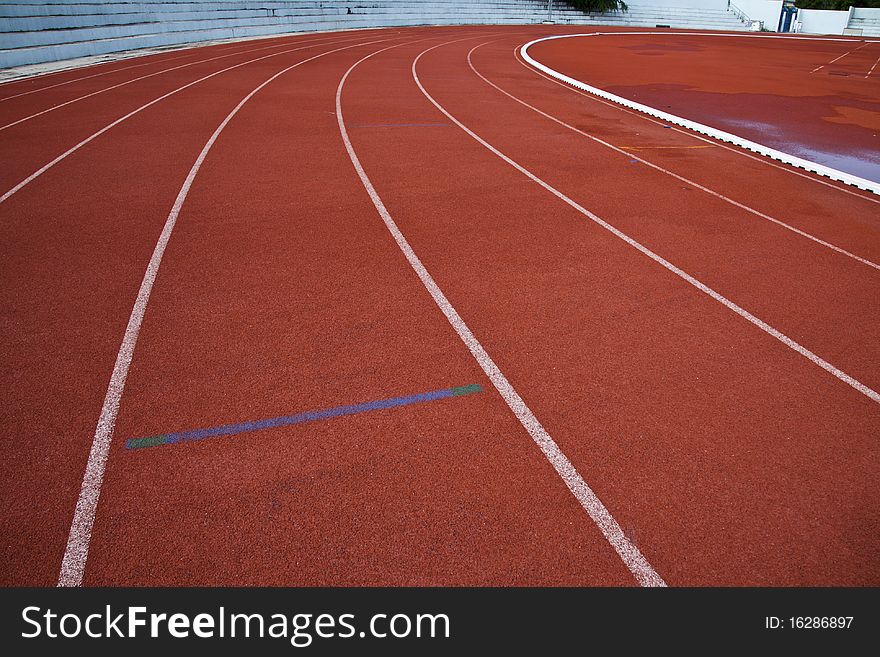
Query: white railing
(739, 13)
(756, 26)
(715, 133)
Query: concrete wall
(35, 31)
(688, 4)
(820, 21)
(866, 20)
(865, 12)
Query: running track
(676, 347)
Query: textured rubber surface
(767, 96)
(725, 457)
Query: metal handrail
(739, 13)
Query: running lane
(19, 107)
(281, 291)
(826, 210)
(730, 458)
(53, 79)
(818, 296)
(27, 146)
(725, 457)
(76, 242)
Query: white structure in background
(34, 31)
(855, 22)
(864, 22)
(765, 11)
(688, 14)
(708, 14)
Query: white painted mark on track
(795, 346)
(715, 133)
(868, 74)
(77, 550)
(837, 59)
(628, 552)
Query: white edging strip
(628, 552)
(75, 555)
(727, 147)
(661, 169)
(86, 77)
(709, 131)
(871, 394)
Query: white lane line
(721, 135)
(688, 133)
(803, 351)
(629, 553)
(88, 77)
(36, 174)
(192, 50)
(872, 68)
(633, 156)
(819, 68)
(149, 75)
(77, 550)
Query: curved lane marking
(150, 75)
(814, 167)
(632, 156)
(764, 326)
(77, 550)
(718, 144)
(70, 151)
(628, 552)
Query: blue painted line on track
(400, 125)
(299, 418)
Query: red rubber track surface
(726, 457)
(815, 98)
